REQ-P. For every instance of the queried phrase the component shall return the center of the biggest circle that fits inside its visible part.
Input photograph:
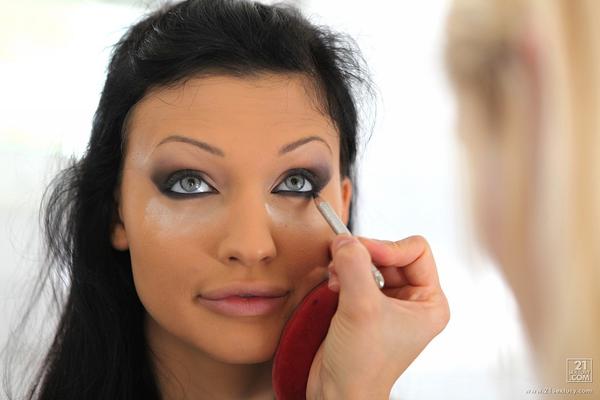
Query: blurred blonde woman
(527, 79)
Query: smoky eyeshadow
(321, 175)
(318, 173)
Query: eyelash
(311, 176)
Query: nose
(248, 240)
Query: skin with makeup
(216, 201)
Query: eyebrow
(216, 151)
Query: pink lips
(244, 299)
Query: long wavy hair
(99, 350)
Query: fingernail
(378, 241)
(343, 241)
(333, 282)
(372, 240)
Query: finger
(334, 283)
(393, 277)
(352, 266)
(412, 254)
(409, 293)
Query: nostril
(249, 257)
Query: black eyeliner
(318, 178)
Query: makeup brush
(339, 228)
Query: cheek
(165, 241)
(302, 230)
(302, 247)
(167, 254)
(296, 220)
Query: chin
(242, 344)
(244, 352)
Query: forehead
(232, 112)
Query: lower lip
(236, 306)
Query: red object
(302, 335)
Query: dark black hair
(99, 349)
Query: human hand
(375, 333)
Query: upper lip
(259, 289)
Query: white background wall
(53, 56)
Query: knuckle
(421, 242)
(419, 239)
(440, 317)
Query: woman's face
(213, 193)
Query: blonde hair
(497, 52)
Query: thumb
(352, 267)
